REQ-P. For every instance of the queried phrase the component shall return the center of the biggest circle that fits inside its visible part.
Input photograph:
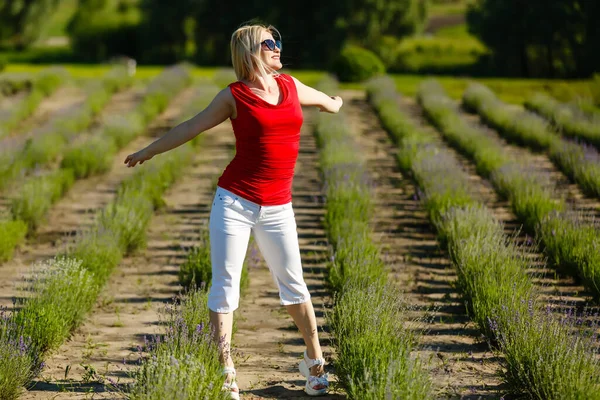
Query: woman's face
(270, 57)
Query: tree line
(313, 31)
(545, 38)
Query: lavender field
(451, 243)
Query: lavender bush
(50, 142)
(184, 364)
(411, 138)
(99, 250)
(573, 244)
(197, 268)
(552, 358)
(390, 372)
(18, 364)
(581, 163)
(519, 126)
(162, 89)
(62, 292)
(90, 157)
(60, 295)
(567, 118)
(38, 194)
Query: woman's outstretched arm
(312, 97)
(218, 111)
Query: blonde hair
(245, 52)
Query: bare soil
(460, 362)
(8, 102)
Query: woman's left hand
(140, 156)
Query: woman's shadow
(281, 392)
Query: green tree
(539, 37)
(167, 31)
(21, 20)
(367, 21)
(309, 31)
(104, 28)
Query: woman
(254, 192)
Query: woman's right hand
(138, 157)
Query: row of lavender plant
(374, 343)
(92, 155)
(580, 162)
(66, 289)
(570, 242)
(567, 118)
(543, 358)
(44, 85)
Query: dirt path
(461, 365)
(120, 103)
(269, 343)
(8, 102)
(128, 308)
(77, 209)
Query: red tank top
(267, 139)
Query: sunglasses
(271, 44)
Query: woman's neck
(263, 84)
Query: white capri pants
(232, 218)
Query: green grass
(144, 72)
(459, 31)
(90, 71)
(441, 8)
(514, 91)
